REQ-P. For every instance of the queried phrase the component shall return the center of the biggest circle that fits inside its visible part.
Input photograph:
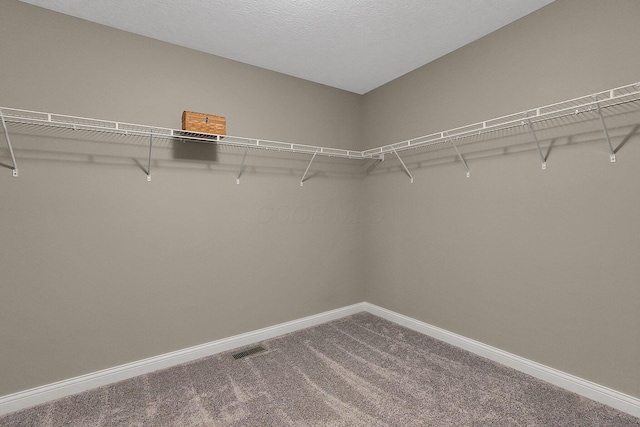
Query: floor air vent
(249, 352)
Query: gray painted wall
(543, 264)
(100, 267)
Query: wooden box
(204, 123)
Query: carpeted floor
(356, 371)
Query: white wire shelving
(525, 121)
(75, 123)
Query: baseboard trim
(593, 391)
(35, 396)
(46, 393)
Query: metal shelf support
(402, 163)
(460, 157)
(535, 138)
(612, 153)
(6, 135)
(307, 170)
(242, 165)
(149, 162)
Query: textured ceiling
(355, 45)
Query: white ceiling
(355, 45)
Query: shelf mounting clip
(307, 170)
(535, 138)
(6, 135)
(242, 165)
(460, 156)
(402, 163)
(612, 153)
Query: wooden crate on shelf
(203, 123)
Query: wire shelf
(519, 121)
(74, 123)
(588, 107)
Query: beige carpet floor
(357, 371)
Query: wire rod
(460, 157)
(612, 155)
(149, 163)
(6, 135)
(307, 170)
(535, 138)
(241, 166)
(406, 169)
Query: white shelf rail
(528, 118)
(26, 117)
(525, 120)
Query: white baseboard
(46, 393)
(593, 391)
(24, 399)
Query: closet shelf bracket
(402, 163)
(460, 157)
(535, 138)
(6, 135)
(149, 161)
(307, 170)
(612, 153)
(242, 165)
